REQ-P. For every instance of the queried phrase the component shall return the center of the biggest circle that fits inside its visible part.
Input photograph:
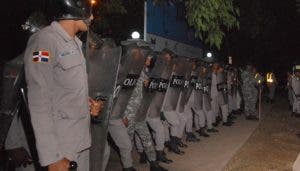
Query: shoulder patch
(41, 56)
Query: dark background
(268, 36)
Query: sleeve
(136, 98)
(39, 80)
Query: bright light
(209, 54)
(135, 35)
(93, 2)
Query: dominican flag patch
(40, 56)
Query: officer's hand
(95, 107)
(19, 156)
(146, 83)
(61, 165)
(125, 121)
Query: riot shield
(102, 63)
(9, 101)
(131, 66)
(175, 86)
(163, 83)
(187, 89)
(150, 89)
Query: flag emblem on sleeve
(40, 56)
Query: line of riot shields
(153, 99)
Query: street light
(135, 35)
(209, 54)
(93, 2)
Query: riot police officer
(295, 83)
(58, 98)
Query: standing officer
(289, 89)
(271, 84)
(296, 91)
(249, 92)
(57, 88)
(218, 94)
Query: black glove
(162, 116)
(18, 157)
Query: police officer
(289, 89)
(171, 103)
(193, 101)
(249, 92)
(118, 123)
(232, 83)
(296, 91)
(218, 95)
(136, 115)
(271, 84)
(58, 98)
(154, 115)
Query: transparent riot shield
(187, 88)
(175, 86)
(163, 83)
(102, 63)
(9, 101)
(150, 89)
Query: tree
(210, 18)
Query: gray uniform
(290, 90)
(58, 96)
(232, 91)
(116, 127)
(191, 102)
(154, 111)
(128, 77)
(219, 97)
(201, 105)
(296, 94)
(172, 98)
(184, 108)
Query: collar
(58, 28)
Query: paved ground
(210, 154)
(274, 146)
(268, 145)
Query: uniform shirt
(57, 94)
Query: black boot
(231, 116)
(227, 123)
(129, 169)
(212, 130)
(218, 120)
(172, 146)
(202, 132)
(154, 166)
(143, 158)
(160, 156)
(190, 137)
(180, 143)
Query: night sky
(268, 37)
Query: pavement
(210, 154)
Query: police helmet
(72, 9)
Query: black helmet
(72, 9)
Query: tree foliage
(210, 18)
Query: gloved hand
(18, 157)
